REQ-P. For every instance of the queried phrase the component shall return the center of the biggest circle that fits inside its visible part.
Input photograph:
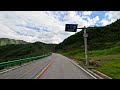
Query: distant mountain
(98, 38)
(6, 41)
(17, 49)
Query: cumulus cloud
(110, 17)
(113, 15)
(83, 20)
(43, 26)
(105, 22)
(87, 12)
(93, 20)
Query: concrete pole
(85, 43)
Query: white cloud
(113, 15)
(110, 16)
(93, 20)
(73, 17)
(87, 13)
(105, 22)
(5, 31)
(51, 24)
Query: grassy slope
(103, 47)
(6, 41)
(13, 51)
(109, 59)
(98, 38)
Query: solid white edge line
(9, 70)
(103, 74)
(83, 69)
(12, 69)
(99, 77)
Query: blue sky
(49, 26)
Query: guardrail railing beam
(20, 61)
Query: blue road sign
(71, 27)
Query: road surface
(55, 66)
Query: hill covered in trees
(17, 49)
(103, 48)
(98, 38)
(6, 41)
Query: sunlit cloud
(49, 26)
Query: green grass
(103, 44)
(111, 66)
(109, 63)
(20, 51)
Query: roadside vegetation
(103, 48)
(11, 51)
(106, 61)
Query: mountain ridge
(21, 49)
(6, 41)
(98, 38)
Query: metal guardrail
(20, 61)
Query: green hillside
(98, 38)
(103, 48)
(6, 41)
(19, 51)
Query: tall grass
(109, 62)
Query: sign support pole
(85, 35)
(73, 28)
(85, 43)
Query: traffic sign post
(73, 28)
(85, 35)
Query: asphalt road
(55, 66)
